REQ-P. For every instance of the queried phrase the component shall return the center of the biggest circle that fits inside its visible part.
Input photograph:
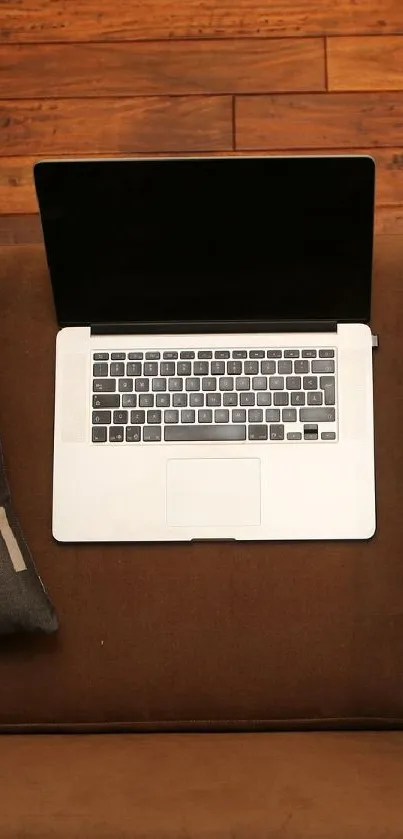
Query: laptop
(214, 358)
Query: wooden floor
(117, 77)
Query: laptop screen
(208, 239)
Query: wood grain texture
(365, 63)
(17, 192)
(101, 20)
(185, 67)
(106, 126)
(317, 121)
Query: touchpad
(213, 492)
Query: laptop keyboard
(234, 395)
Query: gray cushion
(24, 604)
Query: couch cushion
(267, 786)
(218, 635)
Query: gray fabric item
(24, 604)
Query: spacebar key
(195, 433)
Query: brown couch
(288, 657)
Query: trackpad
(213, 492)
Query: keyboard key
(315, 397)
(171, 416)
(257, 432)
(323, 366)
(117, 368)
(196, 400)
(204, 354)
(274, 354)
(272, 415)
(102, 417)
(326, 354)
(289, 415)
(256, 354)
(301, 367)
(242, 383)
(167, 368)
(100, 369)
(106, 401)
(213, 400)
(133, 368)
(205, 416)
(137, 417)
(308, 353)
(310, 432)
(317, 414)
(192, 383)
(116, 434)
(201, 368)
(328, 435)
(298, 398)
(247, 399)
(129, 400)
(175, 384)
(221, 415)
(209, 383)
(163, 400)
(226, 383)
(142, 385)
(277, 432)
(294, 435)
(135, 356)
(101, 356)
(133, 434)
(154, 417)
(170, 355)
(184, 368)
(259, 383)
(264, 399)
(291, 353)
(99, 434)
(328, 384)
(276, 383)
(285, 368)
(234, 368)
(153, 356)
(238, 415)
(118, 356)
(221, 354)
(217, 368)
(187, 354)
(104, 385)
(268, 368)
(180, 400)
(159, 384)
(310, 383)
(293, 382)
(239, 354)
(255, 415)
(120, 417)
(230, 399)
(251, 368)
(125, 385)
(195, 433)
(280, 399)
(188, 415)
(151, 434)
(151, 368)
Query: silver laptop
(214, 361)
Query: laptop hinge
(186, 327)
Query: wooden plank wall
(123, 77)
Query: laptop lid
(200, 243)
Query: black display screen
(208, 239)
